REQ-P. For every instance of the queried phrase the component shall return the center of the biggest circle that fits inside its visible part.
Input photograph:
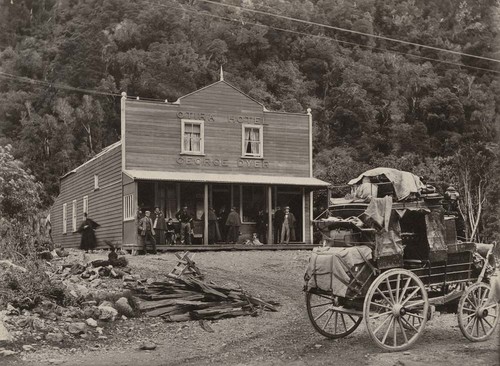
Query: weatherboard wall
(104, 203)
(153, 135)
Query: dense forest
(375, 102)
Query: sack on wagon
(338, 270)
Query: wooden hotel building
(215, 147)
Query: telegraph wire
(48, 84)
(53, 85)
(349, 30)
(198, 12)
(330, 39)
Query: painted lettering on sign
(246, 119)
(230, 118)
(247, 163)
(207, 162)
(191, 160)
(207, 117)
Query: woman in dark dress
(87, 229)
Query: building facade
(215, 147)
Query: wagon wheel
(395, 309)
(328, 321)
(477, 318)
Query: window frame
(128, 207)
(244, 154)
(96, 182)
(85, 206)
(201, 123)
(73, 216)
(64, 218)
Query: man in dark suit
(185, 219)
(147, 231)
(233, 223)
(159, 226)
(279, 216)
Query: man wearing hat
(185, 219)
(451, 208)
(288, 226)
(147, 231)
(233, 223)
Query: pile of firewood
(189, 298)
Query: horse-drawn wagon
(391, 255)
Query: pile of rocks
(57, 325)
(92, 298)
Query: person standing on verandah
(288, 226)
(87, 229)
(213, 230)
(185, 219)
(159, 226)
(278, 218)
(233, 224)
(147, 231)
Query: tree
(474, 168)
(19, 192)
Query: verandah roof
(225, 178)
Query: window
(192, 137)
(252, 138)
(96, 182)
(73, 216)
(64, 218)
(85, 206)
(128, 207)
(252, 201)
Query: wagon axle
(398, 310)
(481, 313)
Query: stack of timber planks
(189, 298)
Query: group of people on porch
(155, 229)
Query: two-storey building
(215, 147)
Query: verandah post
(205, 211)
(269, 216)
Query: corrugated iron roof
(225, 178)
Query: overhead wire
(245, 22)
(36, 82)
(349, 30)
(53, 85)
(97, 92)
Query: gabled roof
(178, 101)
(97, 156)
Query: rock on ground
(123, 307)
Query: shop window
(128, 207)
(252, 138)
(192, 137)
(252, 201)
(64, 218)
(85, 206)
(73, 216)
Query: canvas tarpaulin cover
(404, 183)
(328, 267)
(388, 235)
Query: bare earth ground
(282, 338)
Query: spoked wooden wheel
(395, 309)
(328, 318)
(476, 318)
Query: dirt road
(282, 338)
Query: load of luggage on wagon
(393, 249)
